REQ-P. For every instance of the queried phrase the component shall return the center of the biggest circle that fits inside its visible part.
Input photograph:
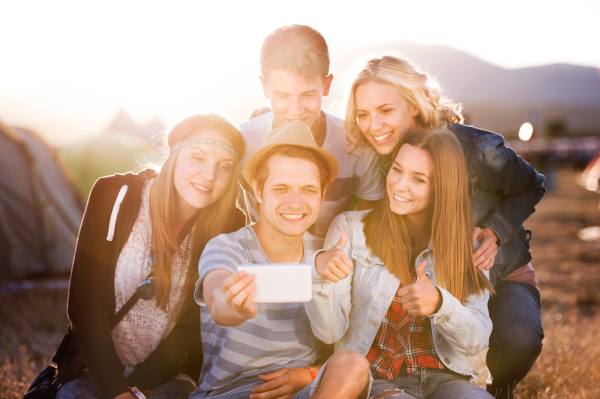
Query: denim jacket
(350, 312)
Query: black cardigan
(91, 301)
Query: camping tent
(40, 210)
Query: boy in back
(294, 65)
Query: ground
(568, 270)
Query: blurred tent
(40, 209)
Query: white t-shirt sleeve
(371, 185)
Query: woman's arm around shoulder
(333, 270)
(500, 170)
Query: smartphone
(281, 282)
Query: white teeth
(199, 187)
(291, 216)
(399, 198)
(381, 138)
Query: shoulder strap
(127, 307)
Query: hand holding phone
(240, 291)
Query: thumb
(421, 271)
(343, 240)
(477, 233)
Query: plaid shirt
(403, 339)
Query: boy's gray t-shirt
(278, 337)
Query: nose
(376, 122)
(209, 172)
(402, 183)
(293, 200)
(297, 108)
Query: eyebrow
(304, 92)
(381, 106)
(205, 153)
(414, 171)
(306, 186)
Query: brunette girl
(388, 99)
(151, 223)
(398, 283)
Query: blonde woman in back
(390, 98)
(398, 284)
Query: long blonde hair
(388, 234)
(417, 88)
(209, 222)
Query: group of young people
(412, 223)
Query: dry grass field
(32, 322)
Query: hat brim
(252, 165)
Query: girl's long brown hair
(209, 222)
(388, 234)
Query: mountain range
(495, 98)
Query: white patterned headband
(208, 141)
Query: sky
(149, 55)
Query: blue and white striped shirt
(278, 337)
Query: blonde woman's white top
(145, 325)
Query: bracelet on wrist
(312, 371)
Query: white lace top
(145, 325)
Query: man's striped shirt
(278, 337)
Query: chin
(294, 232)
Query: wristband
(312, 371)
(137, 393)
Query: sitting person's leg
(82, 387)
(516, 339)
(175, 388)
(443, 384)
(403, 387)
(460, 390)
(346, 375)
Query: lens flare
(526, 131)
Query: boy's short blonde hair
(297, 49)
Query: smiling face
(383, 116)
(202, 173)
(291, 196)
(410, 185)
(293, 97)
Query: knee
(354, 365)
(522, 338)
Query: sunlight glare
(526, 131)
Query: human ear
(327, 86)
(263, 82)
(415, 111)
(257, 193)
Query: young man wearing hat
(295, 77)
(269, 350)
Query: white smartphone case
(281, 282)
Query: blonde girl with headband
(143, 234)
(388, 99)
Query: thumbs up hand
(334, 265)
(420, 298)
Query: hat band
(207, 141)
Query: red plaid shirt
(403, 339)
